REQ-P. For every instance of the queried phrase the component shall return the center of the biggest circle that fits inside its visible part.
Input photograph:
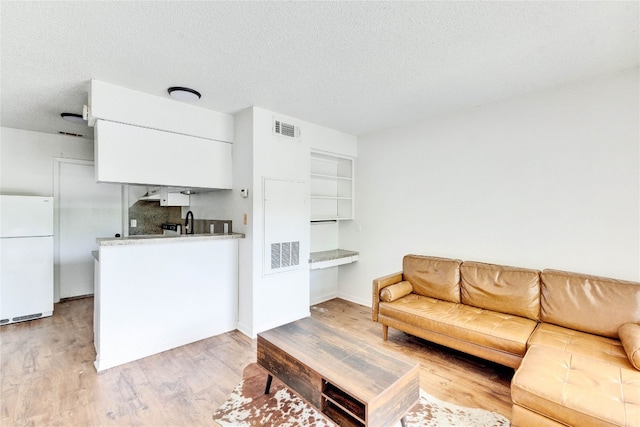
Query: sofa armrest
(378, 284)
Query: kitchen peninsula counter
(155, 293)
(159, 238)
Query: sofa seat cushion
(580, 343)
(487, 328)
(577, 390)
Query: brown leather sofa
(573, 339)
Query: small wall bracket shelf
(325, 259)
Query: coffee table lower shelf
(341, 407)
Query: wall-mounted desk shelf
(331, 258)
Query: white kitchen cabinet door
(135, 155)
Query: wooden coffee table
(342, 376)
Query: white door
(86, 210)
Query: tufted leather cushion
(433, 277)
(630, 338)
(586, 303)
(577, 390)
(581, 343)
(509, 290)
(393, 292)
(499, 331)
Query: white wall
(284, 297)
(324, 281)
(266, 301)
(26, 159)
(546, 180)
(236, 207)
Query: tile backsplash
(203, 226)
(150, 216)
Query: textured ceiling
(352, 66)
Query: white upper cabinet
(152, 140)
(136, 155)
(118, 104)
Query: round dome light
(73, 118)
(184, 94)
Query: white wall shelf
(329, 177)
(331, 258)
(331, 187)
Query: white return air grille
(285, 254)
(286, 129)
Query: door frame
(57, 162)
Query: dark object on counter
(170, 227)
(189, 226)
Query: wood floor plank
(47, 374)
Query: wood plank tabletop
(360, 369)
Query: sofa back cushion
(433, 277)
(592, 304)
(509, 290)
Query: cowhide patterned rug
(249, 406)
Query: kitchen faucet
(188, 225)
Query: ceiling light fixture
(70, 134)
(184, 94)
(73, 118)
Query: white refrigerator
(26, 258)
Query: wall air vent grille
(286, 129)
(275, 256)
(295, 253)
(285, 254)
(285, 259)
(27, 317)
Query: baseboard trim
(354, 299)
(323, 298)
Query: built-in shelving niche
(331, 187)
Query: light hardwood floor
(48, 378)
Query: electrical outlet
(134, 223)
(245, 219)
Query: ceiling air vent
(286, 129)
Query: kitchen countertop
(330, 255)
(152, 239)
